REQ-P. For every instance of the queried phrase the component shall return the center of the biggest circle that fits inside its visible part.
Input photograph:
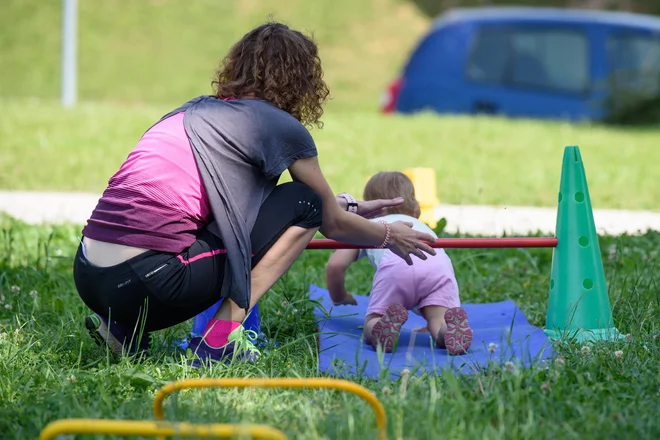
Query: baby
(428, 287)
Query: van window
(634, 60)
(490, 55)
(553, 59)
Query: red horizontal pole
(456, 243)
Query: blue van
(528, 62)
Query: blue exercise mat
(344, 353)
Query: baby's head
(390, 185)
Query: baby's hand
(348, 300)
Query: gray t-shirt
(241, 148)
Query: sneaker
(239, 347)
(386, 331)
(114, 336)
(458, 336)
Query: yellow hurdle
(287, 382)
(157, 428)
(423, 180)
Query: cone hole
(579, 196)
(552, 284)
(584, 241)
(559, 198)
(587, 283)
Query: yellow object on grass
(423, 180)
(157, 428)
(280, 382)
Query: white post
(69, 46)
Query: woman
(195, 213)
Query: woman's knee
(307, 204)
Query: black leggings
(160, 290)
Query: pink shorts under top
(429, 282)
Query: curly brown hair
(276, 64)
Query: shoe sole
(199, 362)
(458, 337)
(386, 330)
(202, 357)
(101, 334)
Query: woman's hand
(372, 208)
(405, 241)
(376, 208)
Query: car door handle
(482, 106)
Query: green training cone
(578, 306)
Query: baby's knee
(369, 322)
(440, 336)
(366, 333)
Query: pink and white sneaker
(458, 337)
(387, 329)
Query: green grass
(165, 51)
(477, 160)
(49, 367)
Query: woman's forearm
(338, 224)
(353, 229)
